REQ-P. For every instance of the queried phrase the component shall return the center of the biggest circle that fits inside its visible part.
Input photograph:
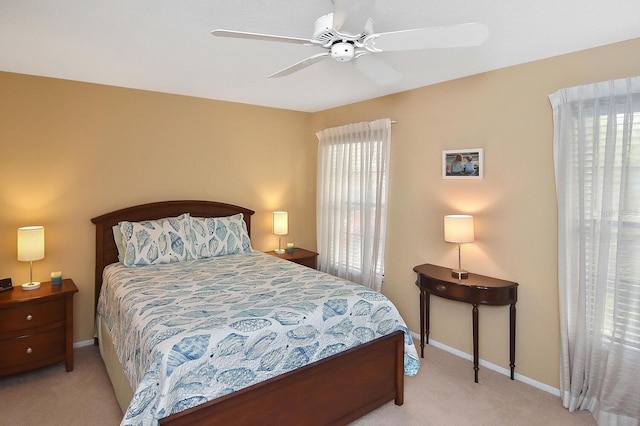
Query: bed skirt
(121, 385)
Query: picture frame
(463, 170)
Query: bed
(330, 389)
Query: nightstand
(36, 327)
(300, 256)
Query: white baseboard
(90, 342)
(490, 366)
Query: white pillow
(117, 237)
(159, 241)
(219, 236)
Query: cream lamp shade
(458, 228)
(30, 248)
(280, 223)
(280, 227)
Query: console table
(476, 290)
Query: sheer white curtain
(597, 167)
(353, 173)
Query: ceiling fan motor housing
(342, 52)
(324, 32)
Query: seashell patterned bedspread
(189, 332)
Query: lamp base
(31, 286)
(460, 274)
(279, 251)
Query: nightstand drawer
(24, 316)
(33, 349)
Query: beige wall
(72, 151)
(507, 113)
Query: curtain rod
(392, 122)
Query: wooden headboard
(106, 251)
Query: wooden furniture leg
(424, 320)
(475, 342)
(512, 338)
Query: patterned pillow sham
(219, 236)
(154, 242)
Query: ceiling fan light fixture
(342, 52)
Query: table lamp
(30, 248)
(458, 229)
(280, 228)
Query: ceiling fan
(347, 35)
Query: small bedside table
(36, 327)
(300, 256)
(476, 290)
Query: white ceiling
(166, 45)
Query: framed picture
(463, 163)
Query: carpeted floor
(443, 393)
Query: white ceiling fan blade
(351, 16)
(265, 37)
(300, 65)
(473, 34)
(377, 69)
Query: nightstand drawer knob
(29, 317)
(441, 287)
(29, 350)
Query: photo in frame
(463, 163)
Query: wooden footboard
(335, 390)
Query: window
(616, 164)
(597, 165)
(353, 168)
